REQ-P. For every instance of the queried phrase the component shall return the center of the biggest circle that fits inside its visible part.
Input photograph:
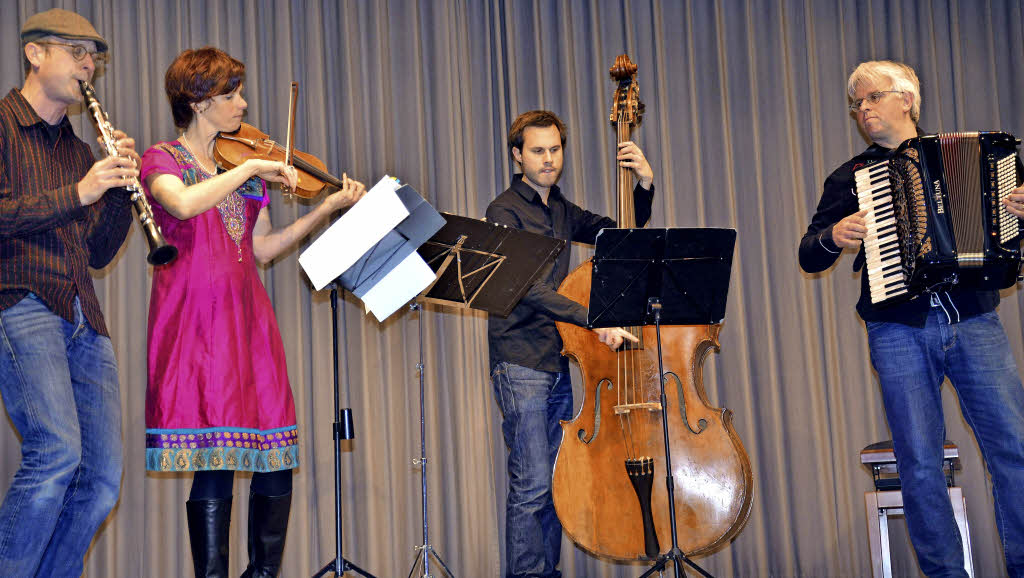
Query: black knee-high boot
(209, 524)
(268, 526)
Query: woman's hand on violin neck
(351, 191)
(273, 171)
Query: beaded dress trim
(232, 208)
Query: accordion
(935, 219)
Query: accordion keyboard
(881, 245)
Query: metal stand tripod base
(430, 551)
(675, 555)
(339, 569)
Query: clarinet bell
(160, 252)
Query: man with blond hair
(916, 344)
(61, 212)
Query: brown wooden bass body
(593, 495)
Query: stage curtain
(746, 115)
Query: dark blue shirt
(528, 336)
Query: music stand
(655, 276)
(477, 265)
(342, 429)
(495, 264)
(370, 270)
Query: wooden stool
(887, 500)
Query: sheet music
(399, 286)
(354, 233)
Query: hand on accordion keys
(849, 232)
(1015, 202)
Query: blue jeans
(911, 364)
(532, 403)
(59, 384)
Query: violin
(248, 142)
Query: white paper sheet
(354, 233)
(399, 286)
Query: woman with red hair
(218, 399)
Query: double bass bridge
(651, 406)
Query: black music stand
(342, 429)
(495, 264)
(477, 265)
(655, 276)
(370, 269)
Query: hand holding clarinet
(120, 169)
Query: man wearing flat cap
(61, 212)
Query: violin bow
(289, 143)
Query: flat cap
(62, 23)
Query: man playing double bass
(529, 375)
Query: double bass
(609, 479)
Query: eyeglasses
(78, 52)
(873, 98)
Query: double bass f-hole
(702, 423)
(582, 433)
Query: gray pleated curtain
(746, 116)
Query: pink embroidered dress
(218, 395)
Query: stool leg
(883, 532)
(872, 513)
(956, 499)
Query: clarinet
(160, 252)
